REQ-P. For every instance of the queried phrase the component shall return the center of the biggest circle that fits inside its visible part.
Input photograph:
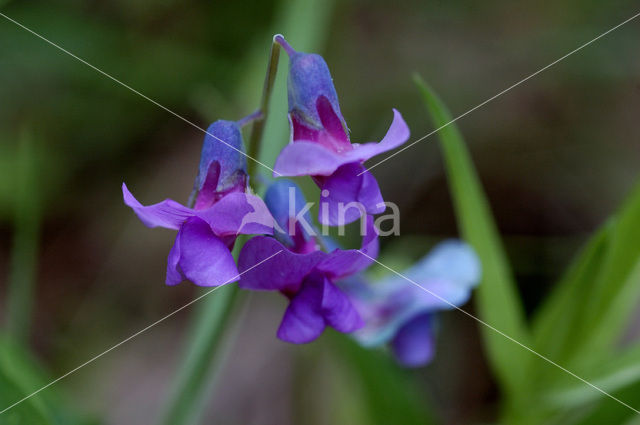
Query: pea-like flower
(398, 312)
(222, 210)
(304, 274)
(320, 146)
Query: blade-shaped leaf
(391, 396)
(559, 318)
(497, 297)
(616, 291)
(610, 412)
(20, 376)
(613, 376)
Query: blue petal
(309, 79)
(414, 344)
(278, 198)
(441, 280)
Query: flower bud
(223, 164)
(310, 81)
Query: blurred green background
(556, 157)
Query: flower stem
(198, 370)
(258, 125)
(256, 115)
(25, 242)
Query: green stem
(305, 21)
(258, 125)
(198, 371)
(25, 243)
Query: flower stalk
(258, 124)
(202, 355)
(198, 368)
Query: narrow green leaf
(613, 376)
(608, 411)
(497, 297)
(392, 396)
(557, 321)
(197, 368)
(617, 287)
(20, 375)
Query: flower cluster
(324, 284)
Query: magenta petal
(414, 343)
(238, 213)
(284, 272)
(306, 159)
(168, 213)
(201, 256)
(337, 309)
(350, 193)
(303, 321)
(397, 134)
(341, 263)
(332, 123)
(207, 193)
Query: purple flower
(306, 276)
(320, 145)
(207, 232)
(402, 314)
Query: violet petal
(238, 213)
(341, 263)
(350, 195)
(203, 258)
(174, 273)
(284, 272)
(414, 344)
(303, 321)
(337, 309)
(168, 213)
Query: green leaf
(557, 321)
(497, 297)
(608, 411)
(392, 395)
(20, 376)
(616, 290)
(613, 376)
(203, 349)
